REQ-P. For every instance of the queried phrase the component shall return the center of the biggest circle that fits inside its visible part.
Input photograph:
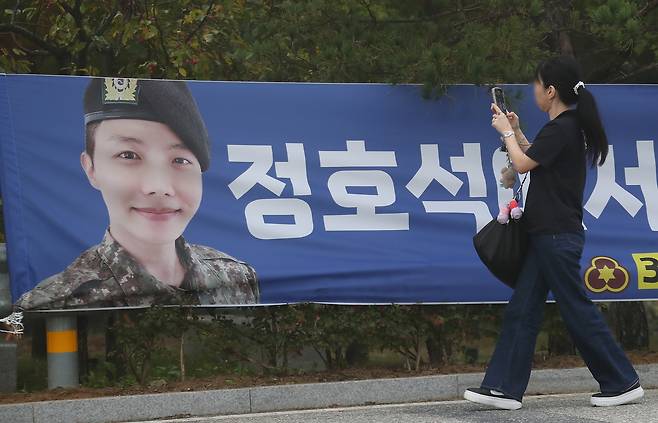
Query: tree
(433, 42)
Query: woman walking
(557, 160)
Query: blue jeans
(553, 263)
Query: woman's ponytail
(590, 120)
(564, 74)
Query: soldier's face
(150, 181)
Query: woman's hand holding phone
(513, 120)
(511, 117)
(500, 121)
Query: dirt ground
(234, 381)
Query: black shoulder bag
(502, 247)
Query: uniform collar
(136, 281)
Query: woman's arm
(516, 127)
(520, 161)
(501, 123)
(521, 139)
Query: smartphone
(498, 97)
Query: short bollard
(62, 341)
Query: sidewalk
(292, 397)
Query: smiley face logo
(605, 274)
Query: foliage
(336, 333)
(142, 336)
(276, 331)
(433, 42)
(31, 374)
(262, 339)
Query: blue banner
(341, 193)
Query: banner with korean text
(126, 192)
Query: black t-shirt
(554, 202)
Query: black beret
(164, 101)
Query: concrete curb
(296, 396)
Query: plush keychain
(503, 216)
(512, 209)
(507, 177)
(515, 211)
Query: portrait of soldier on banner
(146, 148)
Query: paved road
(568, 408)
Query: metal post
(8, 358)
(5, 293)
(62, 340)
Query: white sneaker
(633, 393)
(492, 397)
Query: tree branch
(66, 7)
(365, 4)
(425, 18)
(19, 30)
(648, 8)
(198, 27)
(107, 20)
(626, 77)
(162, 39)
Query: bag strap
(518, 191)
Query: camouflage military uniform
(106, 275)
